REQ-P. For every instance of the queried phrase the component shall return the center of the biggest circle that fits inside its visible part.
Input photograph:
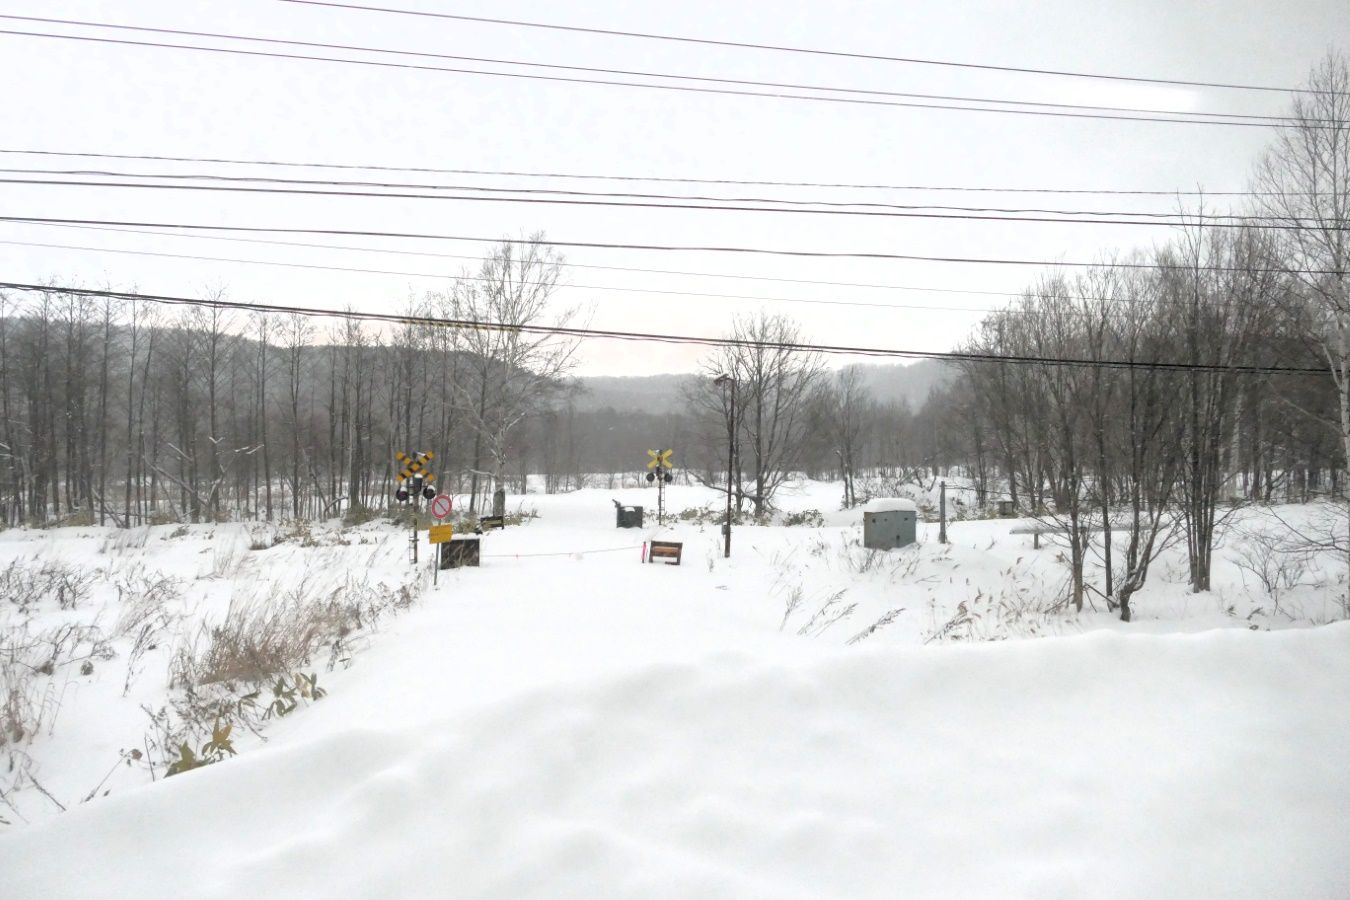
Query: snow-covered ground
(806, 719)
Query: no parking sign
(441, 505)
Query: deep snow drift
(583, 725)
(1095, 766)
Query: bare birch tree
(508, 373)
(1305, 184)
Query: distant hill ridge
(887, 383)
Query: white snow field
(582, 725)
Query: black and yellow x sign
(413, 467)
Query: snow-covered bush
(26, 585)
(357, 515)
(143, 599)
(1277, 563)
(810, 518)
(29, 659)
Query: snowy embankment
(566, 721)
(1102, 766)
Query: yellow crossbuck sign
(660, 459)
(412, 466)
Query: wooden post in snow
(942, 512)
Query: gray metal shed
(889, 522)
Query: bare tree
(1089, 437)
(1059, 334)
(1147, 427)
(849, 408)
(263, 323)
(1220, 292)
(508, 373)
(297, 333)
(106, 349)
(214, 324)
(773, 386)
(13, 505)
(1305, 184)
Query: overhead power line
(635, 73)
(649, 178)
(686, 88)
(875, 57)
(659, 337)
(667, 248)
(434, 255)
(1003, 294)
(532, 197)
(681, 272)
(809, 301)
(584, 287)
(628, 195)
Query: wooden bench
(1036, 529)
(667, 550)
(487, 523)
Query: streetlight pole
(723, 381)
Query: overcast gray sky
(74, 96)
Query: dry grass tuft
(263, 635)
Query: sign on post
(414, 478)
(441, 505)
(413, 467)
(440, 534)
(661, 459)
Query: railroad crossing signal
(415, 472)
(660, 460)
(412, 466)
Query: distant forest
(124, 412)
(1128, 403)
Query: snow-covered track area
(565, 721)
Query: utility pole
(942, 512)
(724, 381)
(416, 490)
